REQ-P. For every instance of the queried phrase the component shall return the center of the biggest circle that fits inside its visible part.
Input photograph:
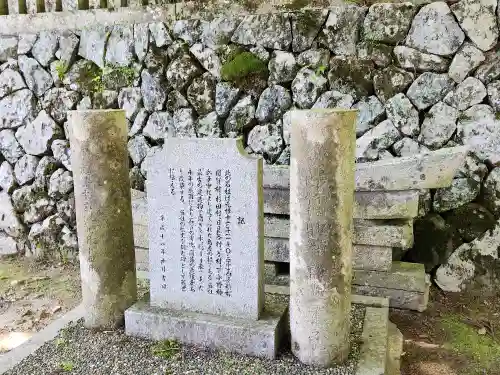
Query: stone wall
(422, 78)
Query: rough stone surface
(351, 76)
(44, 170)
(184, 123)
(266, 140)
(7, 179)
(201, 94)
(380, 54)
(208, 58)
(435, 30)
(341, 31)
(412, 59)
(187, 30)
(139, 122)
(37, 136)
(37, 79)
(120, 46)
(8, 47)
(9, 147)
(62, 152)
(494, 95)
(158, 125)
(370, 110)
(160, 34)
(403, 115)
(45, 47)
(39, 210)
(17, 109)
(273, 102)
(268, 30)
(490, 69)
(218, 31)
(315, 58)
(471, 221)
(479, 21)
(491, 196)
(408, 147)
(153, 91)
(226, 96)
(9, 222)
(334, 99)
(60, 184)
(306, 25)
(283, 67)
(209, 126)
(93, 44)
(461, 191)
(68, 48)
(181, 72)
(438, 126)
(375, 140)
(58, 101)
(141, 40)
(391, 81)
(10, 81)
(428, 89)
(307, 87)
(241, 116)
(43, 237)
(130, 100)
(25, 168)
(469, 92)
(388, 23)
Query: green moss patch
(242, 66)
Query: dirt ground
(32, 295)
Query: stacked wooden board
(386, 203)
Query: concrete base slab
(260, 338)
(394, 350)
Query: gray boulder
(45, 47)
(435, 30)
(68, 48)
(62, 152)
(17, 109)
(260, 52)
(58, 101)
(209, 126)
(25, 168)
(120, 46)
(408, 147)
(139, 122)
(9, 147)
(284, 158)
(8, 245)
(491, 195)
(138, 148)
(461, 192)
(226, 96)
(43, 237)
(410, 58)
(37, 78)
(306, 25)
(266, 140)
(471, 221)
(307, 87)
(273, 102)
(46, 166)
(184, 123)
(187, 30)
(60, 184)
(468, 58)
(438, 126)
(153, 90)
(375, 140)
(268, 30)
(160, 34)
(9, 222)
(201, 94)
(130, 100)
(141, 40)
(494, 95)
(157, 127)
(37, 136)
(25, 196)
(208, 58)
(181, 72)
(428, 89)
(107, 99)
(315, 58)
(469, 92)
(219, 31)
(7, 179)
(283, 67)
(351, 76)
(391, 81)
(176, 100)
(380, 54)
(39, 210)
(137, 180)
(403, 115)
(8, 47)
(66, 210)
(93, 44)
(147, 160)
(370, 111)
(388, 23)
(10, 81)
(334, 99)
(241, 116)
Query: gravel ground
(79, 351)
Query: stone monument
(206, 233)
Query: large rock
(428, 89)
(226, 95)
(273, 102)
(37, 78)
(158, 125)
(315, 58)
(201, 94)
(494, 95)
(25, 168)
(472, 168)
(37, 136)
(46, 166)
(39, 210)
(60, 184)
(145, 165)
(153, 90)
(8, 245)
(491, 192)
(141, 40)
(479, 21)
(181, 72)
(341, 31)
(160, 34)
(307, 87)
(241, 117)
(468, 93)
(408, 147)
(106, 99)
(473, 264)
(120, 46)
(208, 58)
(375, 140)
(139, 122)
(490, 69)
(370, 111)
(7, 179)
(380, 54)
(412, 59)
(438, 126)
(176, 100)
(435, 30)
(45, 47)
(80, 77)
(17, 109)
(138, 148)
(184, 123)
(403, 115)
(9, 222)
(26, 196)
(334, 99)
(266, 140)
(305, 27)
(351, 76)
(219, 31)
(62, 152)
(58, 101)
(130, 100)
(9, 147)
(479, 128)
(44, 237)
(10, 81)
(388, 23)
(68, 48)
(435, 241)
(93, 44)
(268, 30)
(283, 67)
(137, 180)
(8, 47)
(66, 210)
(187, 30)
(471, 221)
(391, 81)
(209, 126)
(461, 191)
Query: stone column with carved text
(100, 163)
(321, 216)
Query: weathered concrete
(103, 214)
(321, 234)
(403, 276)
(373, 356)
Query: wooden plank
(424, 171)
(367, 205)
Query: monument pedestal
(260, 338)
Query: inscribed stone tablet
(206, 228)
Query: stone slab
(373, 258)
(205, 220)
(367, 205)
(423, 171)
(373, 351)
(402, 276)
(394, 350)
(259, 338)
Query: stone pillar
(100, 166)
(321, 209)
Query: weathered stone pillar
(100, 164)
(321, 209)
